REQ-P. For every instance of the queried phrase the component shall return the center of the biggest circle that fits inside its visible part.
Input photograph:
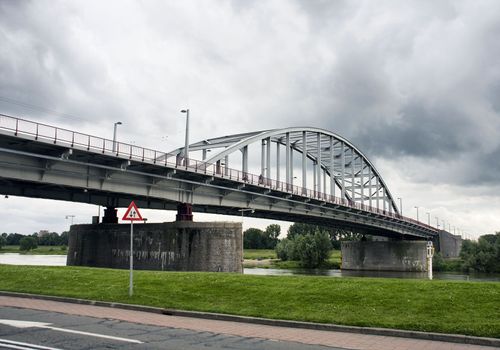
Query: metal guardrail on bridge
(73, 139)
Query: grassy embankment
(266, 258)
(41, 250)
(438, 306)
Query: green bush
(27, 243)
(483, 255)
(312, 250)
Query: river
(60, 260)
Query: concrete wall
(449, 245)
(179, 246)
(384, 256)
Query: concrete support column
(110, 216)
(226, 165)
(184, 212)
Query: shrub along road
(469, 308)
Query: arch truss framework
(336, 167)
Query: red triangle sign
(132, 213)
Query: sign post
(430, 254)
(132, 214)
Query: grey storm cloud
(414, 82)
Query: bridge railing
(73, 139)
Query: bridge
(340, 187)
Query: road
(50, 325)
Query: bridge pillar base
(184, 212)
(407, 256)
(110, 216)
(173, 246)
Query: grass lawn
(258, 254)
(41, 250)
(471, 308)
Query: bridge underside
(34, 169)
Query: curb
(451, 338)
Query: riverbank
(267, 259)
(467, 308)
(40, 250)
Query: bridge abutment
(176, 246)
(384, 255)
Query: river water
(60, 260)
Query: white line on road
(29, 324)
(10, 344)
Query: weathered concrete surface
(178, 246)
(384, 256)
(449, 245)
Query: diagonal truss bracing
(335, 166)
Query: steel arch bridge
(338, 167)
(339, 188)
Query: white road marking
(10, 344)
(30, 324)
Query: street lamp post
(428, 218)
(186, 146)
(400, 205)
(243, 210)
(437, 222)
(417, 212)
(70, 216)
(114, 135)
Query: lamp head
(118, 123)
(184, 111)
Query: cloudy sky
(415, 85)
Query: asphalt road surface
(43, 330)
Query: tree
(313, 250)
(271, 236)
(483, 255)
(3, 241)
(14, 238)
(28, 243)
(310, 249)
(252, 239)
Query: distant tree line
(483, 255)
(36, 239)
(480, 256)
(254, 238)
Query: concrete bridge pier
(407, 256)
(175, 246)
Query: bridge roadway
(42, 161)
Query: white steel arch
(338, 165)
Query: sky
(414, 84)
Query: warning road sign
(132, 213)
